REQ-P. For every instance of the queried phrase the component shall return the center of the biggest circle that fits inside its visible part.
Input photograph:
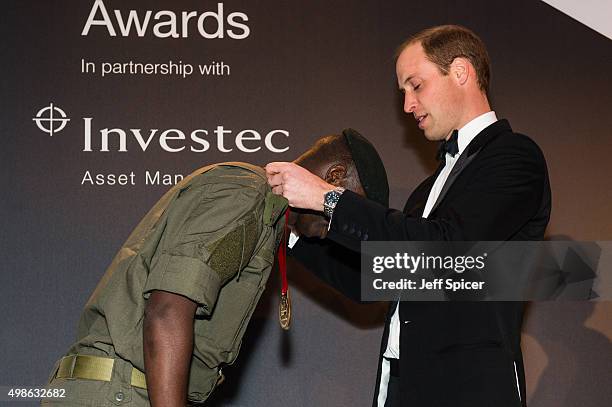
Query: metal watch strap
(330, 200)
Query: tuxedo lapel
(469, 154)
(460, 165)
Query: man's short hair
(444, 43)
(364, 168)
(334, 149)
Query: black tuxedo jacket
(451, 353)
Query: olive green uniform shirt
(212, 239)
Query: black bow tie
(449, 146)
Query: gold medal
(284, 311)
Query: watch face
(331, 197)
(329, 202)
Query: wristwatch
(330, 199)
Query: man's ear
(460, 70)
(336, 174)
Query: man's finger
(274, 167)
(275, 180)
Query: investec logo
(176, 140)
(52, 119)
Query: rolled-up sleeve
(206, 242)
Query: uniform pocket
(78, 392)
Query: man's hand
(302, 188)
(168, 347)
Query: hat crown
(370, 168)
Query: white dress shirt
(466, 135)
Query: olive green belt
(94, 368)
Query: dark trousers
(393, 392)
(393, 387)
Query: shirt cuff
(186, 276)
(293, 238)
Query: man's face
(308, 223)
(311, 223)
(433, 98)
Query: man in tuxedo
(492, 184)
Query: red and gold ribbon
(284, 309)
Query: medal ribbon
(282, 255)
(284, 307)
